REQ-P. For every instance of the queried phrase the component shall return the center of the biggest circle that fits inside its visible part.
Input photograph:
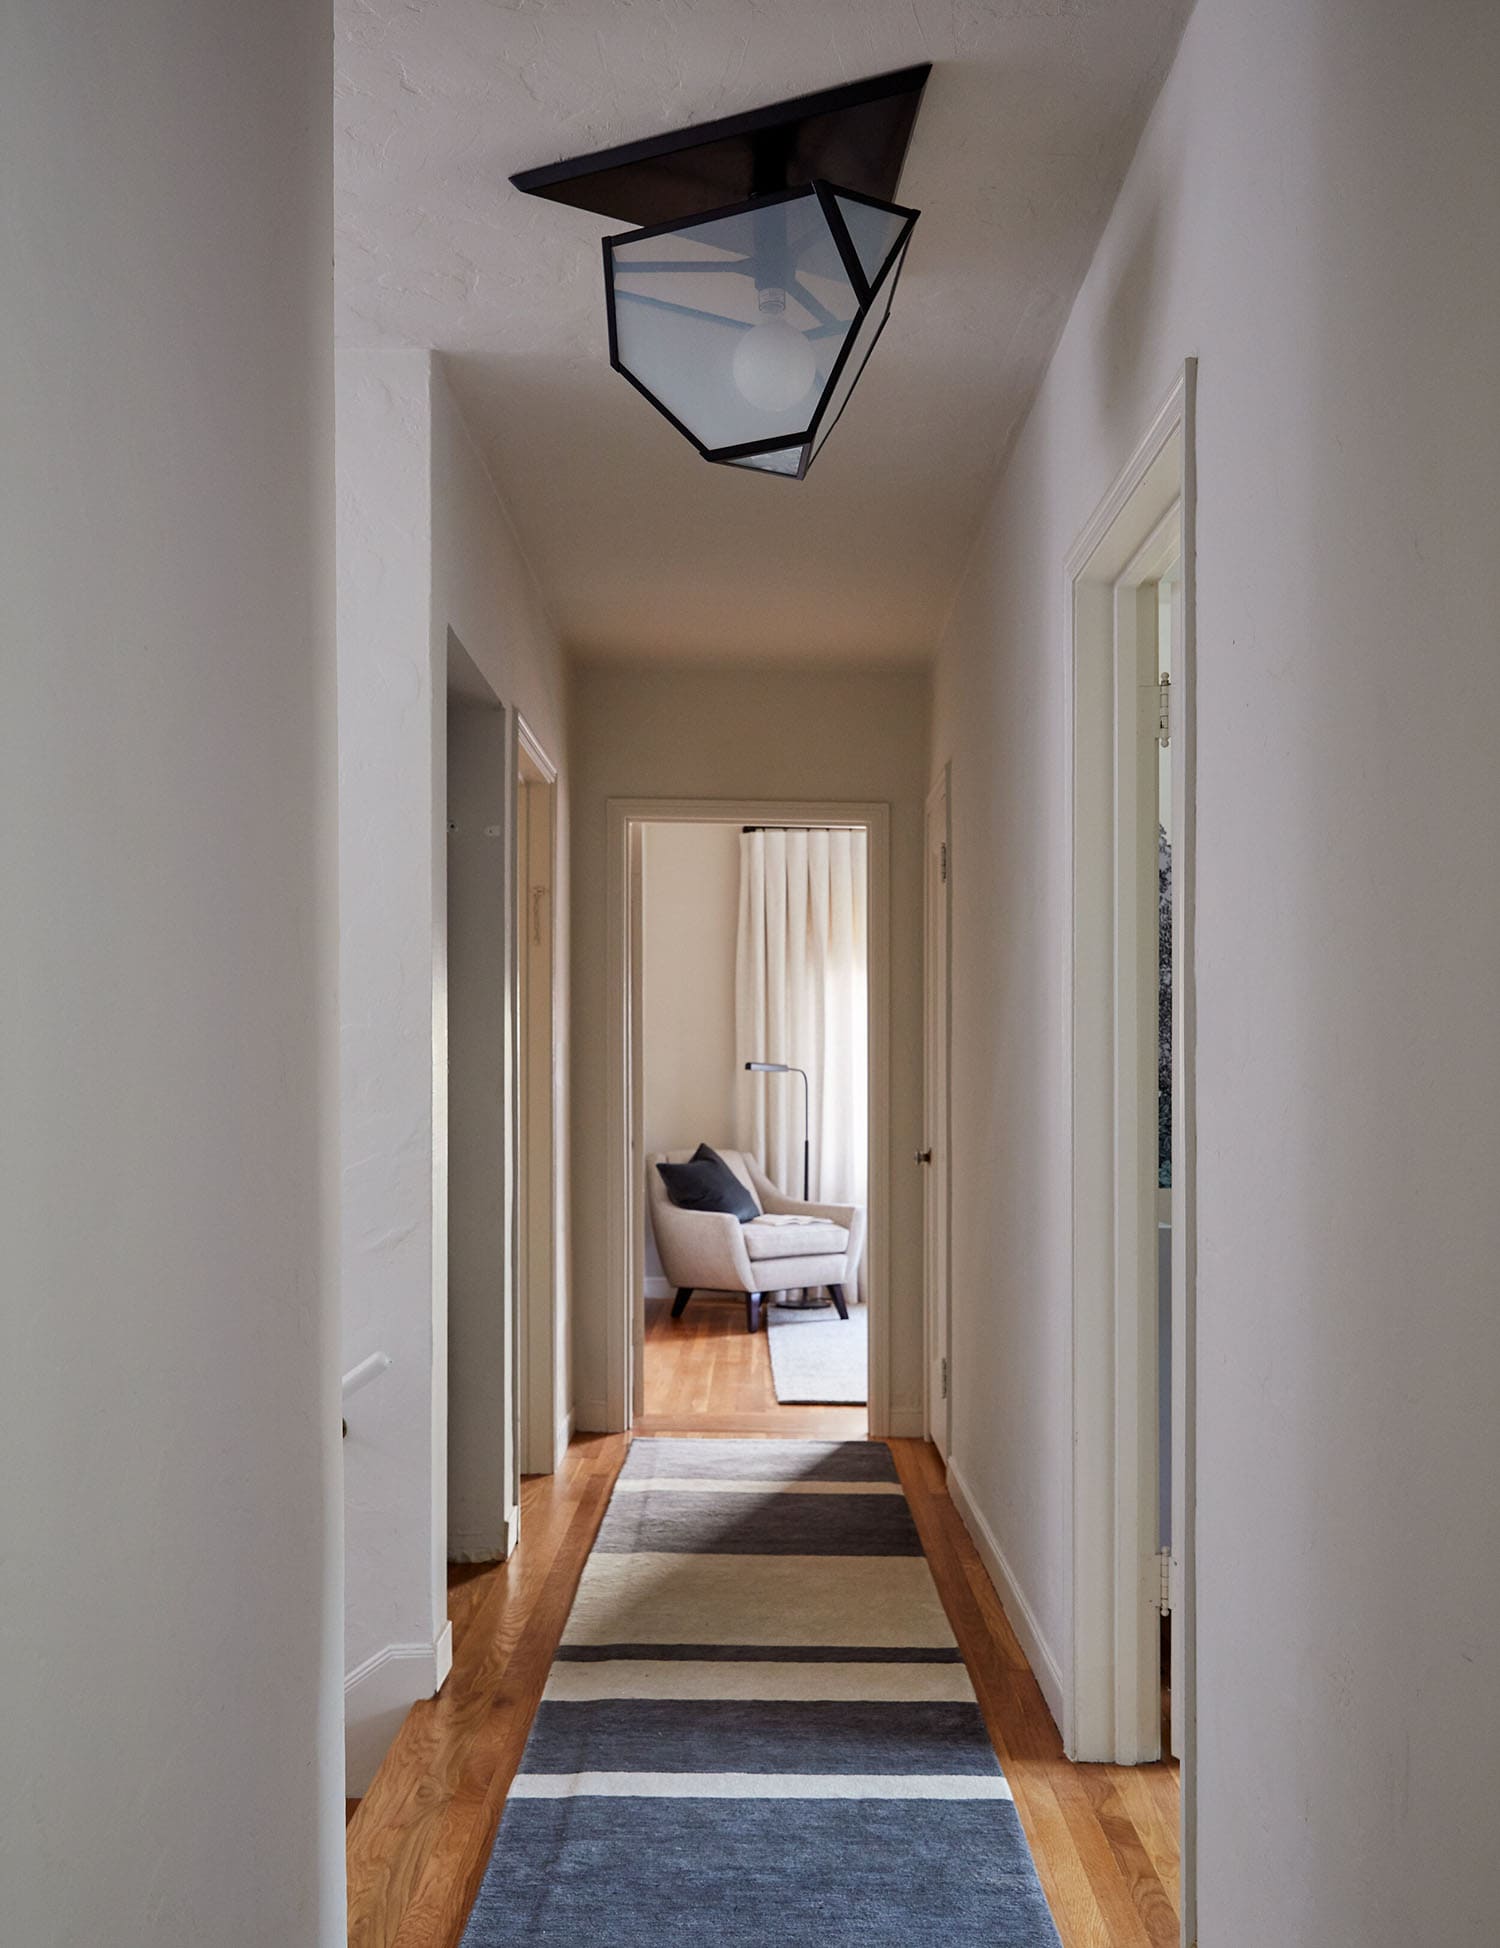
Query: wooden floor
(706, 1375)
(1105, 1837)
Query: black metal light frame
(844, 142)
(865, 289)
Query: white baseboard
(906, 1424)
(1044, 1665)
(564, 1439)
(591, 1417)
(377, 1696)
(660, 1288)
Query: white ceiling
(643, 549)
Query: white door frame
(937, 1219)
(1111, 1702)
(536, 1110)
(624, 1203)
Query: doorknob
(924, 1156)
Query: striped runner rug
(759, 1728)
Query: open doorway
(749, 951)
(483, 1462)
(754, 1062)
(1131, 1695)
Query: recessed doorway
(748, 949)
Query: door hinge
(943, 1376)
(1164, 1581)
(943, 862)
(1164, 710)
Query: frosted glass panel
(872, 232)
(787, 460)
(735, 324)
(859, 351)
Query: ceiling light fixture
(747, 319)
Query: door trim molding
(937, 1066)
(623, 1207)
(539, 1364)
(1107, 1714)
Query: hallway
(1104, 1838)
(388, 541)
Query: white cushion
(793, 1237)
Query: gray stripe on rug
(758, 1735)
(767, 1524)
(753, 1460)
(650, 1872)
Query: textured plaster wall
(171, 1762)
(690, 923)
(393, 1034)
(424, 548)
(757, 734)
(1312, 213)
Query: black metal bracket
(855, 136)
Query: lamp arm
(806, 1136)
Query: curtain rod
(802, 828)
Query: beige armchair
(790, 1244)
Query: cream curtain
(801, 996)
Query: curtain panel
(801, 996)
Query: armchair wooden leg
(679, 1304)
(836, 1293)
(752, 1312)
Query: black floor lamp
(786, 1068)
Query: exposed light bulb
(774, 365)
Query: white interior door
(536, 1148)
(933, 1151)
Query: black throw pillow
(706, 1183)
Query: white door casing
(1141, 527)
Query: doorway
(480, 1356)
(753, 950)
(642, 1290)
(543, 1377)
(934, 1154)
(1131, 806)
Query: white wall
(766, 733)
(170, 1601)
(424, 548)
(690, 922)
(1313, 213)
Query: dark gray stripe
(617, 1873)
(659, 1460)
(765, 1524)
(757, 1735)
(756, 1654)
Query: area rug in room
(817, 1356)
(759, 1728)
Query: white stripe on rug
(818, 1683)
(758, 1785)
(708, 1485)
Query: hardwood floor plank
(704, 1374)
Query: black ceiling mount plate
(854, 136)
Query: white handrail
(367, 1370)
